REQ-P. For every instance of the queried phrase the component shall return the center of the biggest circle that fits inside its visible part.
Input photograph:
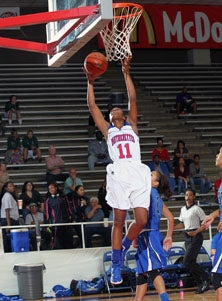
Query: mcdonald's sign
(178, 26)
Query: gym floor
(174, 294)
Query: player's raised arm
(96, 113)
(219, 158)
(132, 105)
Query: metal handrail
(104, 222)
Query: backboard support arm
(40, 18)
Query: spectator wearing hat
(37, 218)
(157, 165)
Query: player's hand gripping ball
(95, 63)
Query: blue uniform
(217, 264)
(217, 244)
(150, 254)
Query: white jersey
(123, 144)
(128, 179)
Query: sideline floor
(174, 294)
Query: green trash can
(30, 280)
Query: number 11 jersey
(123, 144)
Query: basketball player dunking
(128, 179)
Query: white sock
(10, 121)
(20, 121)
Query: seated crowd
(183, 171)
(55, 208)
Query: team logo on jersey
(122, 137)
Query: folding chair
(125, 272)
(175, 270)
(204, 260)
(175, 254)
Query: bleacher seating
(162, 82)
(53, 104)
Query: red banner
(179, 26)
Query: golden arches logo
(150, 30)
(149, 27)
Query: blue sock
(116, 256)
(164, 297)
(126, 243)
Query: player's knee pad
(153, 274)
(141, 279)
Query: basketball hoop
(116, 35)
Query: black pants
(46, 240)
(193, 246)
(50, 178)
(104, 231)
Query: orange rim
(122, 5)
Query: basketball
(95, 63)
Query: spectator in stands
(157, 165)
(91, 126)
(185, 103)
(72, 181)
(98, 151)
(30, 195)
(94, 213)
(106, 115)
(162, 152)
(190, 219)
(31, 147)
(81, 201)
(182, 176)
(102, 200)
(77, 203)
(55, 166)
(181, 152)
(9, 212)
(34, 217)
(56, 212)
(4, 176)
(12, 108)
(198, 177)
(13, 154)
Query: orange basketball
(95, 63)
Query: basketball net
(116, 35)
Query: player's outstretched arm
(96, 113)
(132, 106)
(167, 243)
(210, 218)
